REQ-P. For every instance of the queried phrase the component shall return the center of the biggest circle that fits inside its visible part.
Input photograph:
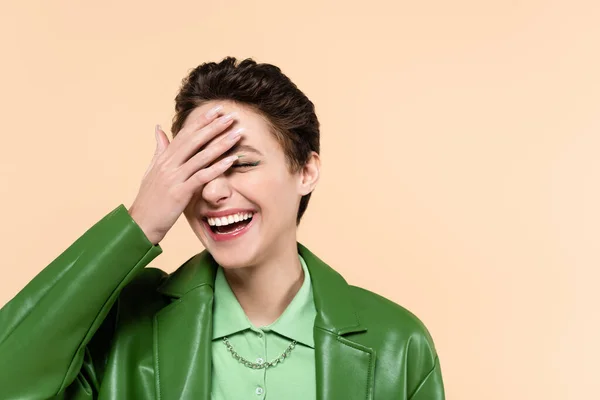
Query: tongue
(236, 226)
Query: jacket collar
(335, 311)
(200, 270)
(183, 334)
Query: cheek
(273, 190)
(193, 206)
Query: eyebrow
(243, 147)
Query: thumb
(162, 141)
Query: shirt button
(259, 360)
(259, 390)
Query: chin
(232, 261)
(232, 257)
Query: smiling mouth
(229, 224)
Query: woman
(255, 315)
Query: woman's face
(248, 215)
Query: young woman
(255, 315)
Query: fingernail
(229, 160)
(227, 117)
(214, 111)
(156, 128)
(235, 134)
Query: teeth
(230, 219)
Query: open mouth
(229, 224)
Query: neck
(265, 290)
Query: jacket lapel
(183, 332)
(345, 369)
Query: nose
(216, 191)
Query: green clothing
(99, 324)
(292, 379)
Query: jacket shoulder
(385, 318)
(401, 341)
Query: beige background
(460, 146)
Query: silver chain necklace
(265, 365)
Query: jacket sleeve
(46, 327)
(431, 387)
(423, 367)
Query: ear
(309, 175)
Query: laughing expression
(248, 214)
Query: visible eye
(245, 165)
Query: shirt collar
(336, 312)
(295, 323)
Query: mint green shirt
(294, 378)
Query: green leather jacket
(97, 324)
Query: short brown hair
(266, 90)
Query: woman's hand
(176, 172)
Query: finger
(185, 148)
(198, 123)
(212, 152)
(205, 175)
